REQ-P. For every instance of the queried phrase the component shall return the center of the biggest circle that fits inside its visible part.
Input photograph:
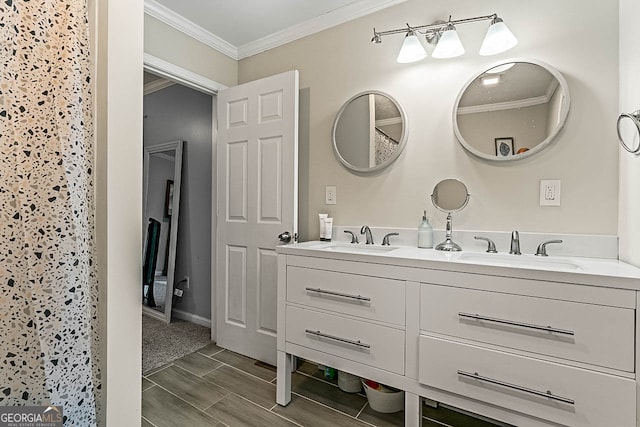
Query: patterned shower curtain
(48, 287)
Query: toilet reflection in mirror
(511, 110)
(162, 173)
(369, 132)
(449, 195)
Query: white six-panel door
(256, 201)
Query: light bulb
(498, 39)
(449, 45)
(411, 50)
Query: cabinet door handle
(338, 294)
(332, 337)
(520, 324)
(546, 394)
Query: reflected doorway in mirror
(504, 146)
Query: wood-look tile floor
(216, 387)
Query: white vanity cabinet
(568, 358)
(523, 349)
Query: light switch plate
(330, 197)
(549, 192)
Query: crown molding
(181, 75)
(389, 122)
(182, 24)
(315, 25)
(499, 106)
(157, 85)
(295, 32)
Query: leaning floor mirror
(162, 171)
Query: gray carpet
(163, 343)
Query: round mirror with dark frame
(369, 132)
(449, 195)
(512, 110)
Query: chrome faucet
(542, 248)
(515, 243)
(385, 240)
(367, 233)
(354, 238)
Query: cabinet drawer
(363, 296)
(593, 334)
(579, 397)
(373, 345)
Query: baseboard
(190, 317)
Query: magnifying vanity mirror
(449, 195)
(162, 172)
(512, 110)
(369, 132)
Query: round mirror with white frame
(369, 132)
(512, 110)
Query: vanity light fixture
(449, 45)
(498, 39)
(411, 50)
(444, 35)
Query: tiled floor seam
(333, 409)
(198, 375)
(149, 422)
(316, 378)
(210, 356)
(259, 406)
(244, 372)
(436, 421)
(191, 404)
(362, 409)
(156, 370)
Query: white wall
(629, 226)
(340, 62)
(118, 53)
(165, 42)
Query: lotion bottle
(322, 217)
(425, 233)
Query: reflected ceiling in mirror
(512, 110)
(369, 132)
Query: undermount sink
(355, 248)
(521, 261)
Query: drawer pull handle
(546, 394)
(520, 324)
(338, 294)
(332, 337)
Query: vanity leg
(412, 410)
(283, 387)
(294, 363)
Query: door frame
(200, 83)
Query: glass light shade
(498, 39)
(412, 50)
(449, 45)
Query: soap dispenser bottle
(425, 233)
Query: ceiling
(240, 28)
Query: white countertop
(588, 271)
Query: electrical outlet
(186, 282)
(549, 192)
(330, 197)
